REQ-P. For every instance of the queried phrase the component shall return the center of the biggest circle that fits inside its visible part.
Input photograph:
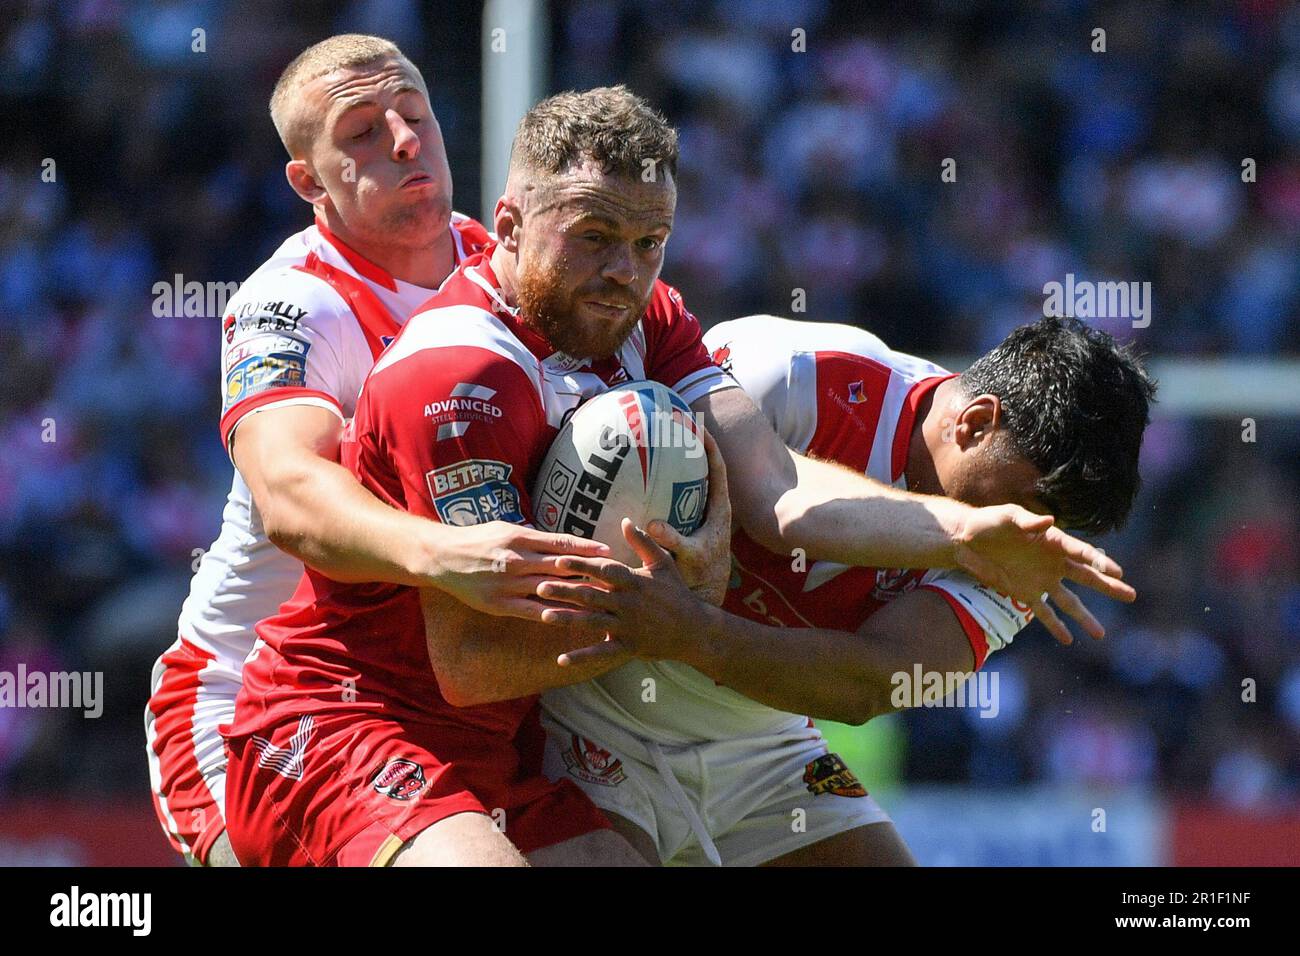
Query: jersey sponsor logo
(563, 363)
(762, 601)
(829, 774)
(591, 762)
(276, 316)
(398, 779)
(468, 403)
(264, 344)
(857, 394)
(251, 313)
(259, 372)
(474, 491)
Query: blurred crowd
(814, 135)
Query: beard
(549, 310)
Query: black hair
(1075, 404)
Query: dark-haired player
(1050, 420)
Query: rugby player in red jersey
(380, 723)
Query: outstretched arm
(830, 674)
(785, 500)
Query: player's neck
(425, 266)
(925, 441)
(503, 267)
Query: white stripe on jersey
(469, 325)
(698, 383)
(880, 466)
(631, 354)
(799, 419)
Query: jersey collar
(481, 274)
(907, 419)
(363, 266)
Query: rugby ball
(632, 452)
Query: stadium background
(815, 170)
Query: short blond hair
(334, 53)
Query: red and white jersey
(837, 393)
(452, 424)
(304, 329)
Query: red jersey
(451, 425)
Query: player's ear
(304, 181)
(977, 421)
(506, 221)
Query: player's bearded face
(554, 307)
(589, 257)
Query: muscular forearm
(838, 515)
(480, 659)
(785, 501)
(317, 511)
(832, 675)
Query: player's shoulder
(666, 307)
(284, 296)
(770, 338)
(793, 335)
(457, 331)
(455, 362)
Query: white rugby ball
(632, 452)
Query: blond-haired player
(367, 155)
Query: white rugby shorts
(735, 802)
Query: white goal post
(1214, 388)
